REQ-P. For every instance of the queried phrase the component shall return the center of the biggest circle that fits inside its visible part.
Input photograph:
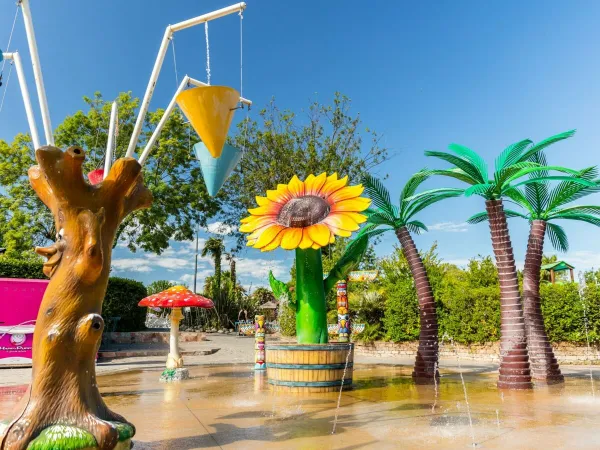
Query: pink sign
(19, 304)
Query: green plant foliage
(563, 311)
(348, 262)
(280, 290)
(18, 268)
(122, 298)
(64, 437)
(287, 320)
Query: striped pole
(259, 343)
(343, 311)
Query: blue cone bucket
(216, 170)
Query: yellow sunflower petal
(262, 201)
(274, 243)
(268, 210)
(357, 217)
(296, 187)
(247, 219)
(333, 186)
(258, 222)
(339, 232)
(316, 247)
(291, 238)
(313, 187)
(346, 193)
(331, 238)
(250, 242)
(306, 241)
(279, 195)
(353, 205)
(267, 234)
(319, 233)
(340, 221)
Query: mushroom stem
(174, 360)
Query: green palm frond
(455, 173)
(582, 218)
(511, 154)
(379, 217)
(570, 190)
(427, 198)
(516, 195)
(416, 227)
(557, 237)
(580, 209)
(478, 218)
(472, 156)
(470, 169)
(372, 230)
(545, 143)
(583, 182)
(501, 176)
(535, 169)
(380, 196)
(483, 189)
(412, 184)
(538, 194)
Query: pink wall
(19, 303)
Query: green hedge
(13, 268)
(122, 294)
(122, 298)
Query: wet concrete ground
(232, 407)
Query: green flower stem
(311, 310)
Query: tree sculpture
(401, 221)
(543, 206)
(512, 164)
(69, 326)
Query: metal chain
(6, 87)
(175, 62)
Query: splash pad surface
(228, 406)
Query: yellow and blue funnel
(210, 111)
(216, 170)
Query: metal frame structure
(16, 59)
(170, 30)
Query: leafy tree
(214, 248)
(180, 201)
(326, 138)
(544, 205)
(401, 220)
(158, 286)
(512, 164)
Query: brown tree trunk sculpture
(427, 353)
(544, 365)
(69, 325)
(514, 359)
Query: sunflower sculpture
(305, 216)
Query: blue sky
(423, 74)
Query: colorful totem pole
(259, 343)
(342, 311)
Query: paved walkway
(234, 349)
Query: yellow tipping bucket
(210, 110)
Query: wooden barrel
(310, 367)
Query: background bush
(13, 268)
(122, 298)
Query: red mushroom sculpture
(176, 297)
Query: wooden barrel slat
(310, 368)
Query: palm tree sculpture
(512, 164)
(215, 248)
(401, 220)
(544, 206)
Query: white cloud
(259, 268)
(582, 259)
(131, 264)
(220, 228)
(450, 227)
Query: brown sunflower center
(303, 212)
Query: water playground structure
(87, 216)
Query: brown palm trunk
(544, 366)
(427, 354)
(514, 359)
(69, 324)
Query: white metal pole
(111, 138)
(139, 123)
(163, 121)
(37, 71)
(201, 83)
(16, 58)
